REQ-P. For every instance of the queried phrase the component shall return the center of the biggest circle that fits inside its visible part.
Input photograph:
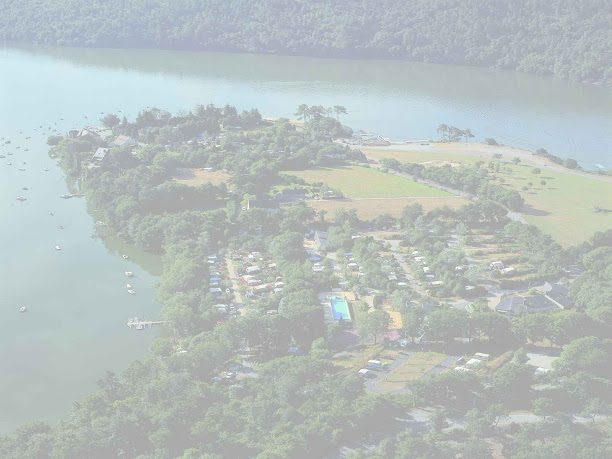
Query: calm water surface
(75, 329)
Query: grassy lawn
(198, 177)
(427, 158)
(354, 360)
(370, 208)
(363, 182)
(564, 207)
(413, 368)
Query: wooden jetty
(140, 324)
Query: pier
(140, 324)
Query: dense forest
(566, 38)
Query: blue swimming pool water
(339, 308)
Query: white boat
(131, 292)
(21, 198)
(23, 309)
(129, 286)
(57, 247)
(129, 274)
(124, 256)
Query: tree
(412, 322)
(446, 324)
(373, 324)
(467, 133)
(589, 354)
(544, 406)
(303, 112)
(531, 327)
(565, 326)
(304, 316)
(339, 110)
(570, 163)
(443, 131)
(438, 420)
(110, 120)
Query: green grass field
(423, 157)
(413, 368)
(564, 206)
(363, 182)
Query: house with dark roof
(539, 303)
(559, 295)
(519, 304)
(511, 305)
(290, 195)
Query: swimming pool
(339, 308)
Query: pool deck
(326, 304)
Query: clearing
(198, 177)
(364, 182)
(372, 192)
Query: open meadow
(372, 192)
(364, 182)
(569, 205)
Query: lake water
(75, 326)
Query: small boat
(23, 309)
(129, 274)
(51, 213)
(131, 292)
(124, 256)
(128, 286)
(58, 248)
(21, 198)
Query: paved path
(231, 270)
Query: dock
(140, 324)
(72, 195)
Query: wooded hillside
(567, 38)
